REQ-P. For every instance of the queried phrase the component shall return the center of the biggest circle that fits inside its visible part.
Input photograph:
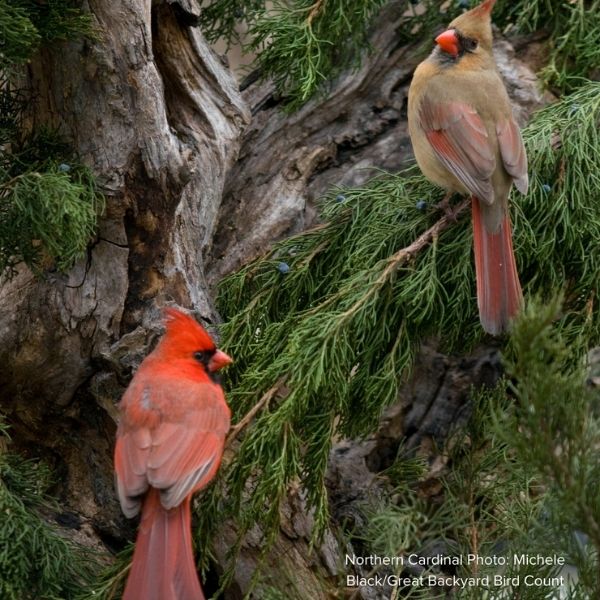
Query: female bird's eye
(469, 44)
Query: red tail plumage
(499, 295)
(163, 562)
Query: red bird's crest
(190, 335)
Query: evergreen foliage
(109, 583)
(557, 227)
(19, 35)
(488, 509)
(24, 24)
(326, 345)
(36, 563)
(574, 28)
(48, 200)
(221, 18)
(302, 44)
(554, 428)
(522, 476)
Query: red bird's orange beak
(448, 42)
(219, 360)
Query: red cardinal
(169, 445)
(466, 140)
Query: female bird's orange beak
(448, 42)
(219, 360)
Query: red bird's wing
(513, 153)
(171, 438)
(460, 140)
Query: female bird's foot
(445, 206)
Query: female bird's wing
(177, 450)
(460, 140)
(513, 152)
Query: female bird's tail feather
(499, 294)
(163, 565)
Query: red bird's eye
(204, 356)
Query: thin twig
(120, 576)
(428, 236)
(8, 184)
(397, 259)
(264, 401)
(474, 533)
(315, 9)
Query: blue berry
(340, 198)
(64, 168)
(421, 205)
(283, 268)
(547, 188)
(463, 3)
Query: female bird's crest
(480, 14)
(471, 29)
(485, 7)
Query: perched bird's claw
(445, 206)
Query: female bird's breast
(425, 156)
(465, 107)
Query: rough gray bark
(160, 119)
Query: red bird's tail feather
(163, 565)
(499, 295)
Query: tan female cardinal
(169, 445)
(466, 140)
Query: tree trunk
(160, 119)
